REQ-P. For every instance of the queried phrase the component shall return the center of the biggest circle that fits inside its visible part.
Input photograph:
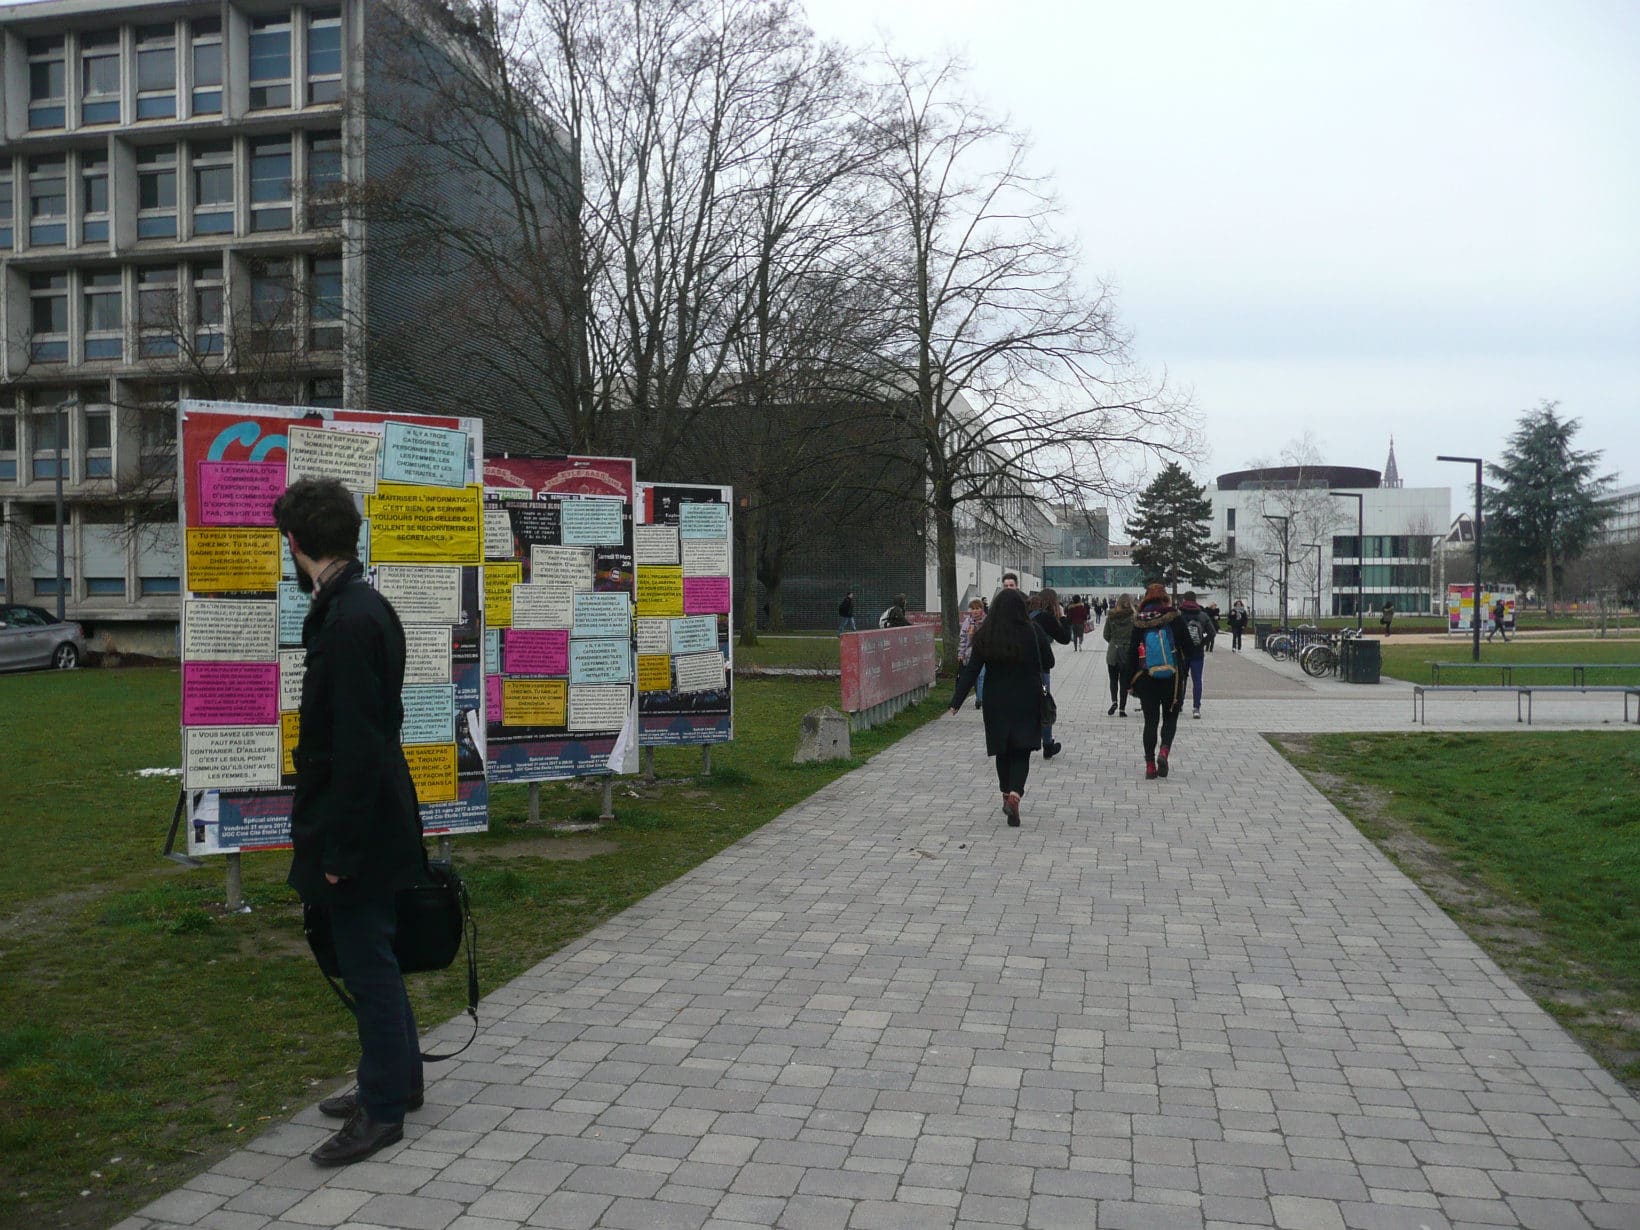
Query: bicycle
(1279, 645)
(1320, 658)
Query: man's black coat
(355, 813)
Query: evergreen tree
(1545, 507)
(1172, 531)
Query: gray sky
(1365, 219)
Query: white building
(1264, 517)
(1622, 516)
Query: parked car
(30, 636)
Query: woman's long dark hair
(1007, 634)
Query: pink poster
(230, 694)
(492, 699)
(535, 651)
(705, 595)
(239, 492)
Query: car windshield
(27, 617)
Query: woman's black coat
(1013, 698)
(1056, 629)
(354, 814)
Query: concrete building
(1622, 516)
(1256, 511)
(170, 226)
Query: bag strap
(470, 942)
(1036, 648)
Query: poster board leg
(236, 886)
(608, 812)
(706, 760)
(649, 764)
(446, 848)
(535, 803)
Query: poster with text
(684, 544)
(416, 480)
(559, 582)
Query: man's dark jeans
(389, 1047)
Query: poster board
(685, 556)
(560, 675)
(1460, 607)
(417, 484)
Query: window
(1229, 544)
(157, 311)
(156, 72)
(100, 77)
(327, 391)
(97, 445)
(93, 199)
(324, 55)
(270, 63)
(325, 302)
(47, 424)
(47, 83)
(207, 57)
(1229, 519)
(157, 192)
(159, 554)
(270, 184)
(157, 431)
(324, 177)
(8, 446)
(213, 188)
(271, 295)
(102, 551)
(6, 206)
(104, 325)
(48, 308)
(48, 200)
(207, 282)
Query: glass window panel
(269, 63)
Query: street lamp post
(1360, 549)
(1286, 551)
(1317, 547)
(1475, 605)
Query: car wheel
(65, 657)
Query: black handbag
(433, 918)
(1047, 709)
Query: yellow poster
(226, 560)
(654, 672)
(290, 728)
(498, 582)
(426, 525)
(433, 769)
(534, 702)
(660, 592)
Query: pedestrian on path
(1198, 643)
(1077, 615)
(845, 614)
(1385, 616)
(969, 624)
(354, 825)
(1500, 612)
(1118, 632)
(1009, 648)
(1238, 625)
(1050, 617)
(1155, 649)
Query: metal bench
(1507, 669)
(1523, 693)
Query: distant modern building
(1394, 558)
(170, 227)
(1622, 516)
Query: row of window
(1381, 576)
(102, 557)
(184, 190)
(173, 70)
(85, 436)
(80, 316)
(1381, 546)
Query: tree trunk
(752, 523)
(945, 530)
(777, 617)
(1549, 579)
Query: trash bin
(1361, 661)
(1261, 631)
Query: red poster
(883, 663)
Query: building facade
(173, 224)
(1621, 509)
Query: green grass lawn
(143, 1031)
(1537, 854)
(1411, 661)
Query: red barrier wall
(883, 663)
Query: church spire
(1392, 475)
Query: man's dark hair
(1013, 576)
(321, 515)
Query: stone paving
(1205, 1002)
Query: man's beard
(304, 582)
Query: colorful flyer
(349, 456)
(223, 560)
(426, 525)
(430, 456)
(239, 492)
(660, 592)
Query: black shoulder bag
(433, 918)
(1047, 708)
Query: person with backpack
(1050, 617)
(1076, 614)
(1238, 624)
(845, 614)
(895, 616)
(1009, 647)
(1198, 642)
(1499, 613)
(1158, 672)
(1118, 632)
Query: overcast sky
(1365, 218)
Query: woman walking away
(972, 618)
(1238, 625)
(1050, 617)
(1008, 647)
(1118, 631)
(1077, 615)
(1156, 655)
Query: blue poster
(607, 660)
(492, 651)
(603, 615)
(695, 634)
(591, 523)
(703, 520)
(429, 713)
(293, 609)
(431, 456)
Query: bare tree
(1016, 379)
(1295, 512)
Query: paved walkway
(1205, 1002)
